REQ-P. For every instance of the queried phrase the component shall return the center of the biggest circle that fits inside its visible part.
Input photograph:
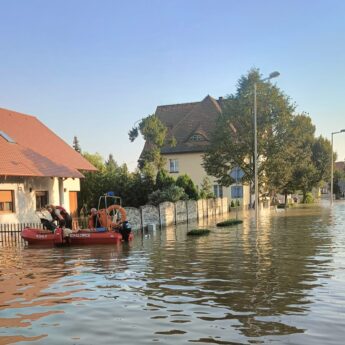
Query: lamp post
(256, 183)
(341, 131)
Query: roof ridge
(176, 104)
(18, 113)
(214, 102)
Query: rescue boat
(111, 227)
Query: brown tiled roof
(184, 120)
(36, 150)
(340, 166)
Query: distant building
(36, 168)
(340, 166)
(192, 124)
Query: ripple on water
(283, 283)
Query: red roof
(36, 150)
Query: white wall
(25, 201)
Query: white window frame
(173, 165)
(218, 190)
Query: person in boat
(63, 219)
(60, 215)
(94, 221)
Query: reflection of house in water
(31, 281)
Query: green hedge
(230, 222)
(198, 232)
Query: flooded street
(284, 283)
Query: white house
(36, 168)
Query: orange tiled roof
(36, 151)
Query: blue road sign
(237, 173)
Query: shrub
(309, 199)
(172, 193)
(232, 204)
(230, 222)
(185, 182)
(198, 232)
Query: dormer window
(197, 137)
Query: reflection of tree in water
(255, 277)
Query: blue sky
(93, 68)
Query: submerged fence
(10, 233)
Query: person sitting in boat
(94, 221)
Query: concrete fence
(168, 213)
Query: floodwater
(283, 283)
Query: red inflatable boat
(80, 237)
(111, 222)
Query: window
(6, 201)
(173, 164)
(196, 137)
(236, 192)
(218, 191)
(7, 137)
(41, 199)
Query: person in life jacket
(59, 214)
(94, 221)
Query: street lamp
(256, 183)
(341, 131)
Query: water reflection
(235, 286)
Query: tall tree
(154, 133)
(232, 144)
(76, 145)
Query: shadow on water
(237, 285)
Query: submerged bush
(230, 222)
(198, 232)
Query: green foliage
(229, 222)
(133, 133)
(76, 145)
(172, 194)
(133, 188)
(110, 164)
(232, 204)
(185, 182)
(164, 180)
(292, 158)
(206, 189)
(232, 144)
(154, 133)
(198, 232)
(308, 199)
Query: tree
(232, 144)
(185, 182)
(290, 157)
(154, 133)
(164, 180)
(111, 164)
(76, 145)
(206, 189)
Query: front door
(73, 204)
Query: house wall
(191, 164)
(25, 201)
